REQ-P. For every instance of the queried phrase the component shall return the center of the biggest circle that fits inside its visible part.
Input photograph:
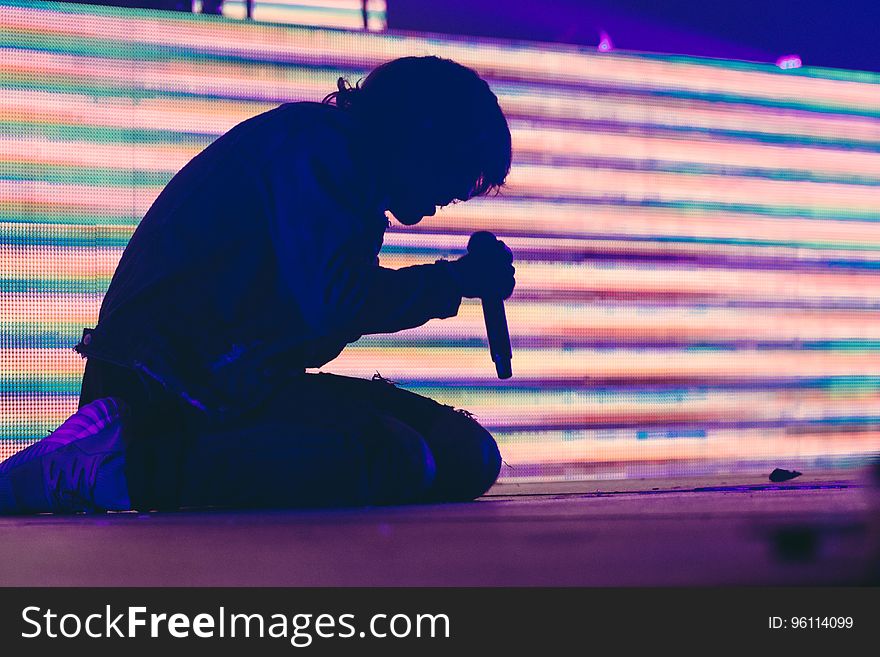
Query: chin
(407, 220)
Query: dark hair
(443, 101)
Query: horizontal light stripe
(529, 142)
(635, 187)
(543, 277)
(545, 217)
(566, 323)
(233, 82)
(505, 216)
(527, 452)
(475, 364)
(548, 142)
(542, 409)
(531, 62)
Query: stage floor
(812, 530)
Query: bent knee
(487, 462)
(401, 465)
(467, 457)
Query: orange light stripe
(199, 115)
(663, 113)
(563, 321)
(540, 218)
(547, 142)
(122, 157)
(443, 364)
(682, 449)
(637, 186)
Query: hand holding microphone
(487, 272)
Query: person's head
(433, 128)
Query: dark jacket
(258, 260)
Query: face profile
(415, 192)
(432, 131)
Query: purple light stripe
(715, 135)
(840, 424)
(650, 383)
(664, 299)
(628, 254)
(539, 233)
(519, 341)
(768, 211)
(637, 90)
(661, 165)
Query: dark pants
(318, 440)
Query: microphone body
(493, 314)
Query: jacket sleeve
(408, 297)
(326, 239)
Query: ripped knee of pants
(379, 377)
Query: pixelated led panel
(697, 241)
(346, 14)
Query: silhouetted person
(259, 260)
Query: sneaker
(79, 467)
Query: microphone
(493, 314)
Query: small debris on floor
(783, 475)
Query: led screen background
(697, 241)
(347, 14)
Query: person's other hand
(487, 273)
